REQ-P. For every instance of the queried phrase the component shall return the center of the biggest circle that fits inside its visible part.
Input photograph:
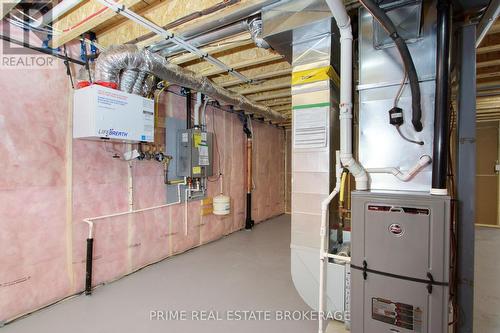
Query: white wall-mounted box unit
(104, 113)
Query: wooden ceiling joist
(212, 50)
(488, 49)
(262, 88)
(87, 17)
(270, 96)
(286, 107)
(487, 75)
(489, 63)
(278, 73)
(278, 102)
(244, 64)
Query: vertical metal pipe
(249, 222)
(187, 91)
(442, 99)
(88, 268)
(466, 177)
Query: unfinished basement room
(243, 166)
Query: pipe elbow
(359, 173)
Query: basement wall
(50, 182)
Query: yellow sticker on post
(196, 170)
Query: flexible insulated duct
(124, 57)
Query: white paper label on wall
(203, 155)
(310, 127)
(185, 137)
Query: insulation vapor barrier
(128, 57)
(43, 237)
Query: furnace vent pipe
(382, 18)
(122, 57)
(442, 99)
(344, 24)
(424, 161)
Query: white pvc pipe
(90, 220)
(57, 11)
(323, 250)
(346, 157)
(424, 161)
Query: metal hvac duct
(129, 57)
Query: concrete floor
(487, 276)
(244, 271)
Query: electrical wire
(398, 127)
(400, 90)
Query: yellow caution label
(196, 139)
(314, 75)
(196, 170)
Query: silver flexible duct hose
(121, 57)
(149, 85)
(255, 29)
(127, 80)
(139, 82)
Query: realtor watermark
(23, 33)
(245, 315)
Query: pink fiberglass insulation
(50, 183)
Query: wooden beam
(166, 12)
(278, 102)
(86, 18)
(489, 63)
(262, 88)
(487, 75)
(287, 107)
(264, 76)
(488, 49)
(495, 28)
(244, 64)
(211, 50)
(271, 96)
(7, 6)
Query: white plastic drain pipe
(424, 161)
(347, 159)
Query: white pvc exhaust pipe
(424, 161)
(346, 157)
(57, 11)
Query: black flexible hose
(384, 20)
